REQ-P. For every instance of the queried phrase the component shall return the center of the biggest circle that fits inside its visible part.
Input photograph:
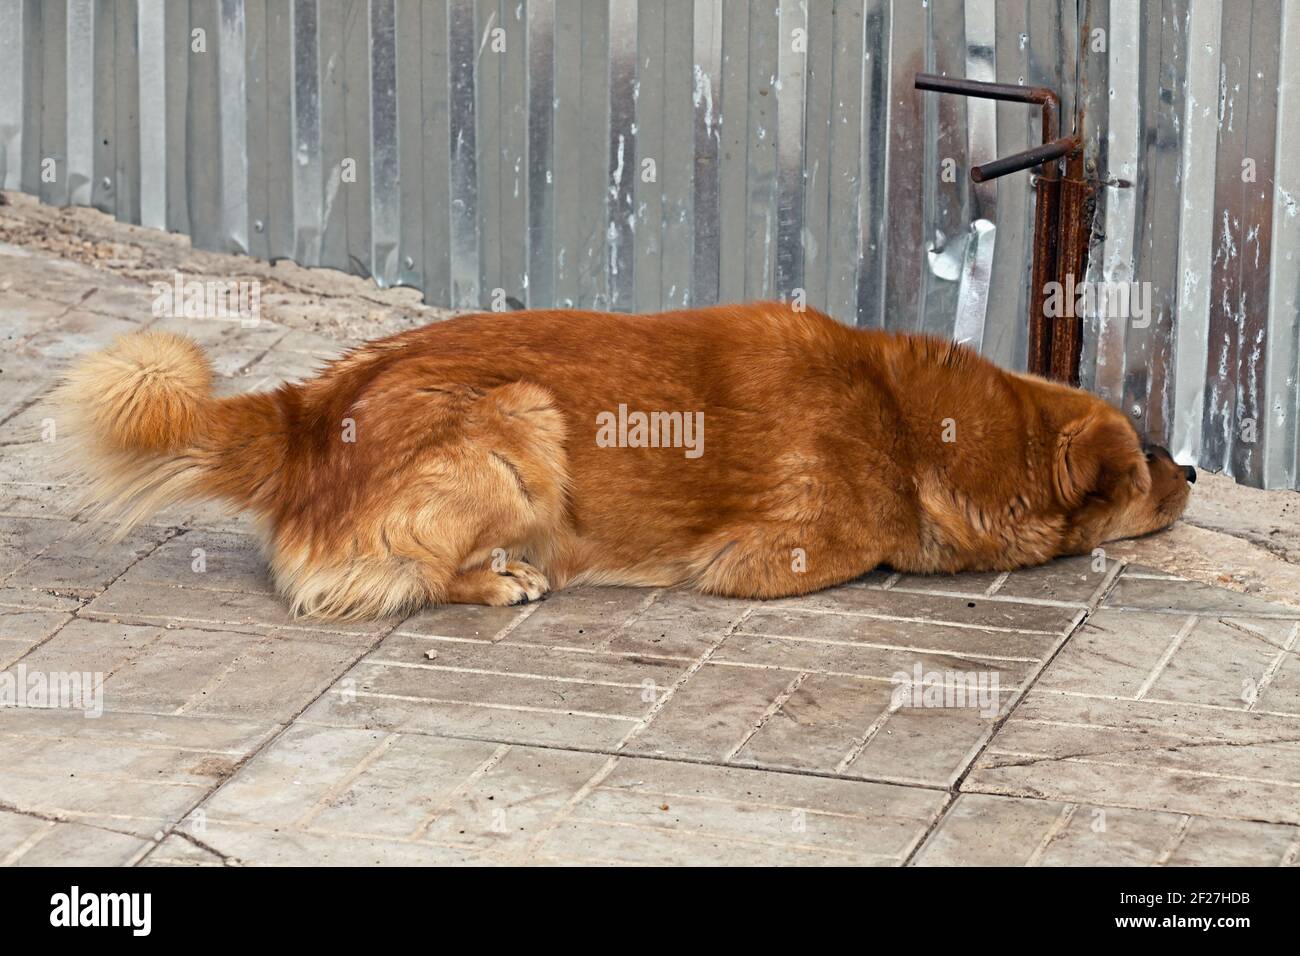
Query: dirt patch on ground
(345, 308)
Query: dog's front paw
(518, 582)
(521, 583)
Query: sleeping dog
(755, 450)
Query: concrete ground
(1141, 708)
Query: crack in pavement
(7, 807)
(1271, 547)
(225, 858)
(1055, 758)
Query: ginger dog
(754, 451)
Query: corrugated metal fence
(643, 155)
(1197, 104)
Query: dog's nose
(1190, 472)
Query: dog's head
(1110, 485)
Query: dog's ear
(1095, 454)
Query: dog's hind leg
(519, 435)
(452, 522)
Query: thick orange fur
(460, 461)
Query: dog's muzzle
(1157, 451)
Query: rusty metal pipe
(1061, 215)
(1013, 92)
(1023, 160)
(1046, 219)
(1010, 92)
(1076, 206)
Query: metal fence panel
(1189, 118)
(647, 155)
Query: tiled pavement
(1108, 714)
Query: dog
(754, 451)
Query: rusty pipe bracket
(1026, 158)
(1062, 219)
(1044, 154)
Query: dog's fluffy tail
(141, 430)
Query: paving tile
(923, 746)
(1072, 580)
(1208, 842)
(392, 793)
(973, 583)
(206, 516)
(132, 773)
(515, 794)
(680, 624)
(1112, 654)
(208, 560)
(260, 846)
(819, 726)
(794, 623)
(223, 336)
(35, 599)
(150, 669)
(32, 481)
(22, 378)
(834, 707)
(408, 788)
(543, 663)
(30, 434)
(416, 683)
(581, 617)
(115, 296)
(967, 612)
(1191, 597)
(381, 797)
(310, 771)
(342, 707)
(1146, 754)
(91, 292)
(866, 660)
(1225, 662)
(877, 577)
(469, 622)
(21, 630)
(147, 602)
(524, 694)
(1282, 693)
(981, 830)
(48, 843)
(713, 713)
(112, 800)
(302, 342)
(658, 812)
(33, 499)
(61, 340)
(32, 484)
(22, 540)
(277, 367)
(18, 833)
(79, 563)
(234, 367)
(1196, 660)
(175, 850)
(1144, 571)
